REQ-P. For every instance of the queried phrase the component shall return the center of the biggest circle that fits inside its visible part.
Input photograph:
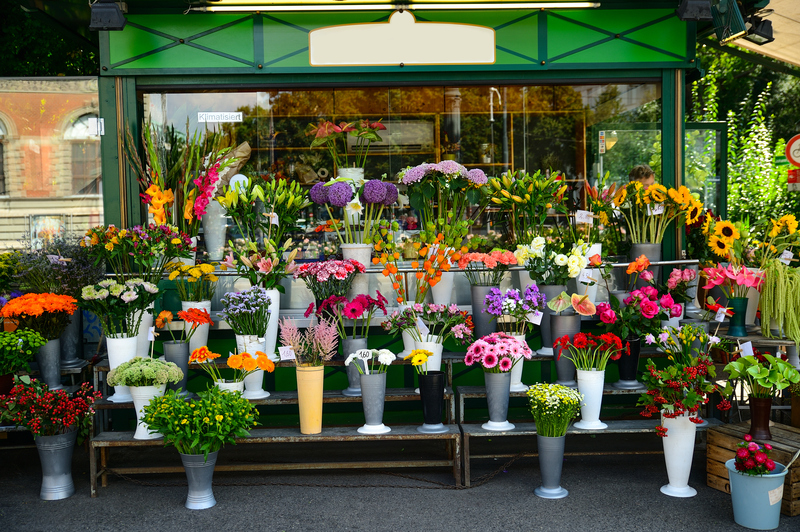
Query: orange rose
(595, 260)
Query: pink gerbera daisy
(469, 359)
(489, 360)
(505, 364)
(353, 310)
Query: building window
(3, 190)
(85, 155)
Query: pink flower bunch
(648, 302)
(206, 183)
(489, 260)
(735, 280)
(680, 276)
(361, 307)
(606, 313)
(497, 352)
(323, 271)
(752, 458)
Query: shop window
(2, 160)
(84, 146)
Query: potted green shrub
(147, 378)
(17, 348)
(199, 428)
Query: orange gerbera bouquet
(193, 317)
(242, 364)
(47, 314)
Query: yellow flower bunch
(419, 359)
(194, 282)
(649, 211)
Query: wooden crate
(722, 442)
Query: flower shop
(310, 240)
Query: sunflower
(776, 228)
(707, 223)
(619, 199)
(719, 246)
(657, 193)
(726, 231)
(693, 214)
(790, 221)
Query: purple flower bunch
(518, 305)
(376, 191)
(443, 322)
(246, 312)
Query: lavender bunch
(515, 305)
(246, 312)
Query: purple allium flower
(339, 194)
(374, 191)
(477, 176)
(391, 194)
(319, 194)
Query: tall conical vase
(594, 273)
(551, 458)
(550, 291)
(431, 392)
(373, 396)
(178, 354)
(590, 384)
(200, 336)
(215, 227)
(363, 254)
(72, 341)
(760, 410)
(55, 455)
(498, 386)
(254, 382)
(310, 380)
(49, 359)
(271, 335)
(753, 297)
(653, 254)
(516, 371)
(199, 475)
(757, 498)
(408, 338)
(565, 325)
(141, 397)
(442, 293)
(736, 326)
(143, 335)
(678, 453)
(431, 344)
(121, 350)
(628, 365)
(350, 346)
(485, 324)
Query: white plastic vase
(434, 362)
(753, 298)
(215, 226)
(516, 371)
(253, 383)
(190, 261)
(408, 338)
(678, 453)
(230, 386)
(271, 335)
(200, 336)
(363, 254)
(141, 397)
(594, 273)
(142, 337)
(120, 350)
(590, 384)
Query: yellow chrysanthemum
(213, 278)
(726, 231)
(174, 274)
(206, 268)
(719, 246)
(195, 272)
(175, 241)
(219, 417)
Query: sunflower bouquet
(648, 211)
(194, 282)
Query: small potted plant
(553, 407)
(756, 481)
(243, 364)
(56, 421)
(497, 353)
(17, 348)
(763, 376)
(146, 378)
(199, 428)
(375, 362)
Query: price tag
(286, 352)
(537, 317)
(273, 218)
(151, 334)
(747, 349)
(720, 316)
(786, 257)
(364, 355)
(586, 277)
(776, 495)
(658, 208)
(584, 217)
(423, 329)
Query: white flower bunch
(384, 359)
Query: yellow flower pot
(309, 398)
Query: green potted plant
(763, 376)
(17, 348)
(147, 378)
(199, 428)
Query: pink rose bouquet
(497, 353)
(678, 284)
(638, 314)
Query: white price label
(286, 352)
(720, 316)
(364, 354)
(786, 257)
(776, 495)
(586, 277)
(658, 208)
(423, 329)
(151, 334)
(747, 349)
(537, 317)
(273, 218)
(584, 217)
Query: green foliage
(8, 271)
(18, 348)
(764, 375)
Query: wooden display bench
(470, 431)
(722, 442)
(105, 441)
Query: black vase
(431, 392)
(629, 367)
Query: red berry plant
(48, 412)
(752, 458)
(686, 383)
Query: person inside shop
(643, 174)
